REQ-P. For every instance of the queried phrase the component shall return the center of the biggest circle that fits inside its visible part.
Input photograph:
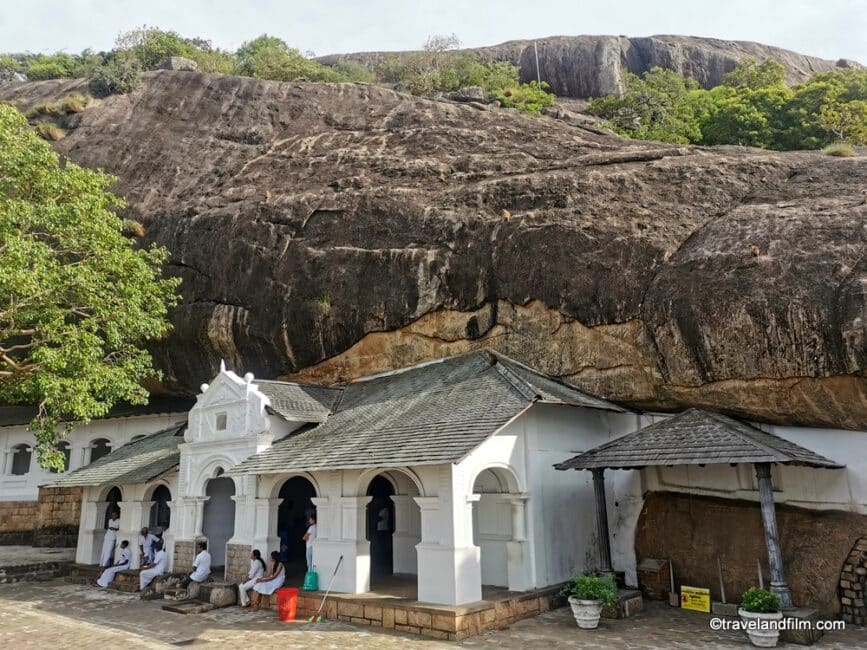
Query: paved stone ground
(62, 615)
(18, 555)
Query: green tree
(152, 46)
(656, 106)
(749, 73)
(742, 115)
(268, 57)
(530, 97)
(119, 74)
(77, 300)
(846, 120)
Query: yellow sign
(695, 598)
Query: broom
(318, 615)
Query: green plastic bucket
(311, 581)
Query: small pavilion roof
(135, 462)
(696, 437)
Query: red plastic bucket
(287, 603)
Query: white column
(90, 531)
(265, 525)
(354, 575)
(76, 457)
(407, 534)
(133, 516)
(517, 552)
(169, 534)
(199, 516)
(8, 459)
(449, 569)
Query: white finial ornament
(222, 365)
(203, 387)
(249, 377)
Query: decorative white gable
(230, 407)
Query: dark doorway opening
(292, 513)
(218, 522)
(380, 526)
(114, 497)
(160, 511)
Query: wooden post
(772, 537)
(602, 520)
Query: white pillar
(449, 568)
(517, 551)
(265, 525)
(9, 458)
(199, 516)
(407, 533)
(90, 530)
(354, 575)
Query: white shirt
(311, 535)
(124, 556)
(256, 570)
(202, 566)
(146, 541)
(160, 561)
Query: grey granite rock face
(363, 230)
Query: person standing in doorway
(308, 538)
(201, 566)
(109, 541)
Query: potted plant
(758, 608)
(587, 595)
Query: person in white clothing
(309, 536)
(146, 540)
(268, 584)
(109, 541)
(201, 565)
(155, 568)
(257, 570)
(122, 564)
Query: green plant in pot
(759, 610)
(587, 595)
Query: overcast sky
(827, 28)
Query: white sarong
(108, 575)
(146, 576)
(108, 543)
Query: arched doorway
(493, 529)
(113, 499)
(393, 527)
(218, 520)
(380, 527)
(160, 515)
(295, 507)
(21, 456)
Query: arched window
(99, 448)
(63, 448)
(160, 512)
(21, 460)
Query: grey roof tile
(696, 437)
(299, 401)
(134, 462)
(434, 413)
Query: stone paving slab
(59, 614)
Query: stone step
(124, 587)
(221, 594)
(126, 577)
(189, 607)
(175, 593)
(81, 574)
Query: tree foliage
(77, 300)
(753, 107)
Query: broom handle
(330, 582)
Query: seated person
(153, 569)
(268, 584)
(122, 564)
(146, 541)
(201, 565)
(257, 570)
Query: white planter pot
(586, 612)
(761, 638)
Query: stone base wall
(57, 517)
(853, 584)
(238, 562)
(17, 521)
(692, 531)
(438, 622)
(185, 553)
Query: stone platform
(29, 564)
(393, 607)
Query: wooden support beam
(772, 536)
(602, 520)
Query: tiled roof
(434, 413)
(696, 437)
(18, 415)
(299, 401)
(135, 462)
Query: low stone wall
(17, 521)
(238, 562)
(184, 555)
(57, 516)
(853, 584)
(692, 531)
(438, 622)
